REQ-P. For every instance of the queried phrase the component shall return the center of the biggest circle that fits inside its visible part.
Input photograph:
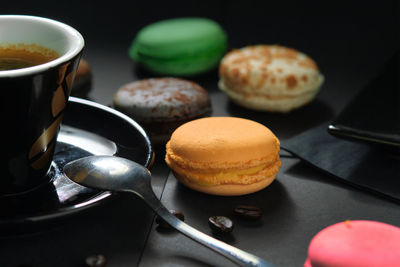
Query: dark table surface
(350, 43)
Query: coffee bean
(96, 261)
(248, 212)
(220, 224)
(164, 225)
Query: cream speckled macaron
(83, 80)
(269, 78)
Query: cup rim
(71, 53)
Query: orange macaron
(224, 155)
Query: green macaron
(180, 46)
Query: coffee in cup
(19, 56)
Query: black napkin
(374, 168)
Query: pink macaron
(355, 244)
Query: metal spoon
(122, 175)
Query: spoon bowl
(122, 175)
(107, 173)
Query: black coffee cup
(34, 95)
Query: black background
(346, 38)
(349, 40)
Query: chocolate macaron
(161, 105)
(83, 80)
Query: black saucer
(88, 129)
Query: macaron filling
(241, 176)
(181, 65)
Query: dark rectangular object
(372, 168)
(374, 114)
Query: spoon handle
(236, 255)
